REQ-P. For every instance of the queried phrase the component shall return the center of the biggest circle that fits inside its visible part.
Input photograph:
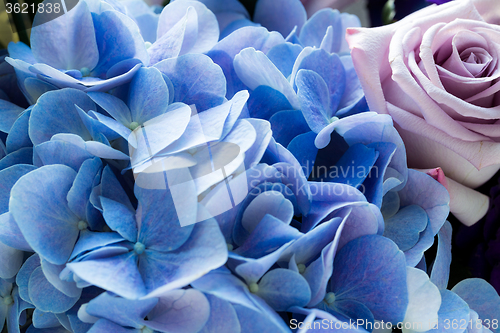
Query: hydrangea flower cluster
(192, 170)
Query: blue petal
(36, 87)
(45, 219)
(10, 261)
(148, 96)
(481, 297)
(122, 311)
(120, 219)
(222, 318)
(62, 152)
(111, 188)
(265, 101)
(21, 51)
(314, 99)
(270, 202)
(453, 309)
(441, 267)
(255, 69)
(18, 136)
(283, 56)
(11, 235)
(196, 79)
(8, 177)
(89, 241)
(359, 157)
(284, 288)
(9, 113)
(318, 273)
(105, 326)
(47, 298)
(315, 29)
(112, 105)
(52, 274)
(55, 113)
(286, 125)
(180, 310)
(21, 156)
(378, 280)
(405, 227)
(44, 319)
(205, 250)
(99, 149)
(302, 147)
(207, 26)
(79, 194)
(118, 38)
(425, 241)
(116, 274)
(67, 42)
(23, 277)
(272, 13)
(260, 321)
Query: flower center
(145, 329)
(254, 287)
(147, 44)
(139, 248)
(8, 300)
(229, 247)
(82, 225)
(85, 71)
(333, 119)
(302, 268)
(329, 298)
(133, 125)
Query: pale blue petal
(453, 309)
(10, 261)
(89, 240)
(62, 152)
(270, 14)
(314, 99)
(105, 326)
(255, 69)
(45, 220)
(44, 319)
(116, 274)
(79, 194)
(222, 318)
(180, 311)
(283, 56)
(315, 29)
(11, 235)
(67, 42)
(18, 136)
(196, 79)
(9, 113)
(120, 219)
(23, 277)
(52, 274)
(405, 227)
(112, 105)
(8, 177)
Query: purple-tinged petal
(425, 241)
(46, 297)
(269, 202)
(271, 14)
(372, 270)
(405, 227)
(264, 321)
(283, 288)
(196, 79)
(45, 219)
(67, 42)
(122, 311)
(180, 311)
(116, 274)
(441, 267)
(264, 134)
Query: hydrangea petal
(222, 318)
(453, 308)
(11, 235)
(21, 156)
(283, 57)
(405, 227)
(10, 261)
(288, 124)
(79, 194)
(44, 319)
(441, 267)
(270, 14)
(61, 152)
(19, 133)
(314, 99)
(9, 112)
(46, 222)
(52, 273)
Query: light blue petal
(9, 113)
(405, 227)
(122, 311)
(222, 318)
(259, 321)
(116, 274)
(207, 26)
(441, 267)
(318, 274)
(255, 69)
(148, 95)
(180, 310)
(79, 194)
(21, 156)
(95, 127)
(196, 79)
(481, 297)
(112, 105)
(283, 56)
(46, 297)
(55, 113)
(10, 261)
(44, 319)
(18, 136)
(95, 148)
(453, 309)
(61, 152)
(52, 274)
(205, 250)
(118, 38)
(89, 241)
(21, 51)
(314, 99)
(67, 42)
(11, 235)
(23, 277)
(8, 177)
(378, 278)
(120, 219)
(315, 29)
(284, 288)
(425, 241)
(271, 14)
(45, 219)
(104, 326)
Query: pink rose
(437, 73)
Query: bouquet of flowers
(191, 168)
